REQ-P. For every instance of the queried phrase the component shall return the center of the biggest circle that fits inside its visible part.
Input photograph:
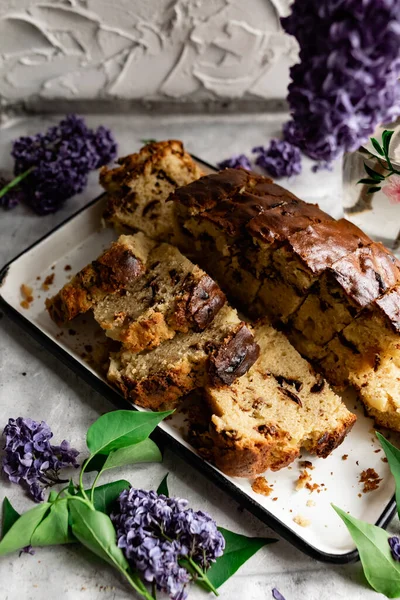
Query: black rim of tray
(189, 455)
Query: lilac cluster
(11, 198)
(235, 162)
(61, 159)
(279, 159)
(155, 532)
(30, 459)
(347, 80)
(394, 543)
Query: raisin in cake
(173, 295)
(159, 378)
(264, 418)
(138, 187)
(115, 269)
(275, 255)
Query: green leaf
(52, 496)
(373, 174)
(386, 137)
(163, 487)
(10, 515)
(393, 456)
(148, 141)
(380, 570)
(95, 530)
(20, 533)
(372, 190)
(105, 495)
(377, 146)
(366, 181)
(146, 451)
(122, 428)
(53, 530)
(238, 550)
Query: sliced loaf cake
(138, 188)
(114, 270)
(173, 295)
(316, 277)
(159, 378)
(264, 418)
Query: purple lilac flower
(62, 159)
(394, 543)
(30, 459)
(155, 532)
(347, 80)
(279, 159)
(277, 595)
(12, 198)
(235, 162)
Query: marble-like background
(138, 50)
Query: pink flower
(392, 189)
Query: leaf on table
(53, 529)
(122, 428)
(163, 487)
(143, 452)
(238, 550)
(380, 569)
(106, 495)
(10, 515)
(95, 530)
(393, 456)
(20, 533)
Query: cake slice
(158, 379)
(264, 418)
(173, 295)
(114, 270)
(138, 188)
(345, 288)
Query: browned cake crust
(313, 275)
(113, 270)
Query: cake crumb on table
(310, 503)
(370, 479)
(306, 464)
(345, 456)
(260, 486)
(302, 521)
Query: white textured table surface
(34, 384)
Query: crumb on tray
(26, 292)
(302, 521)
(370, 479)
(303, 479)
(260, 486)
(48, 282)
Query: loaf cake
(317, 278)
(159, 378)
(138, 187)
(115, 269)
(173, 295)
(264, 418)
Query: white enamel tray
(78, 241)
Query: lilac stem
(15, 181)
